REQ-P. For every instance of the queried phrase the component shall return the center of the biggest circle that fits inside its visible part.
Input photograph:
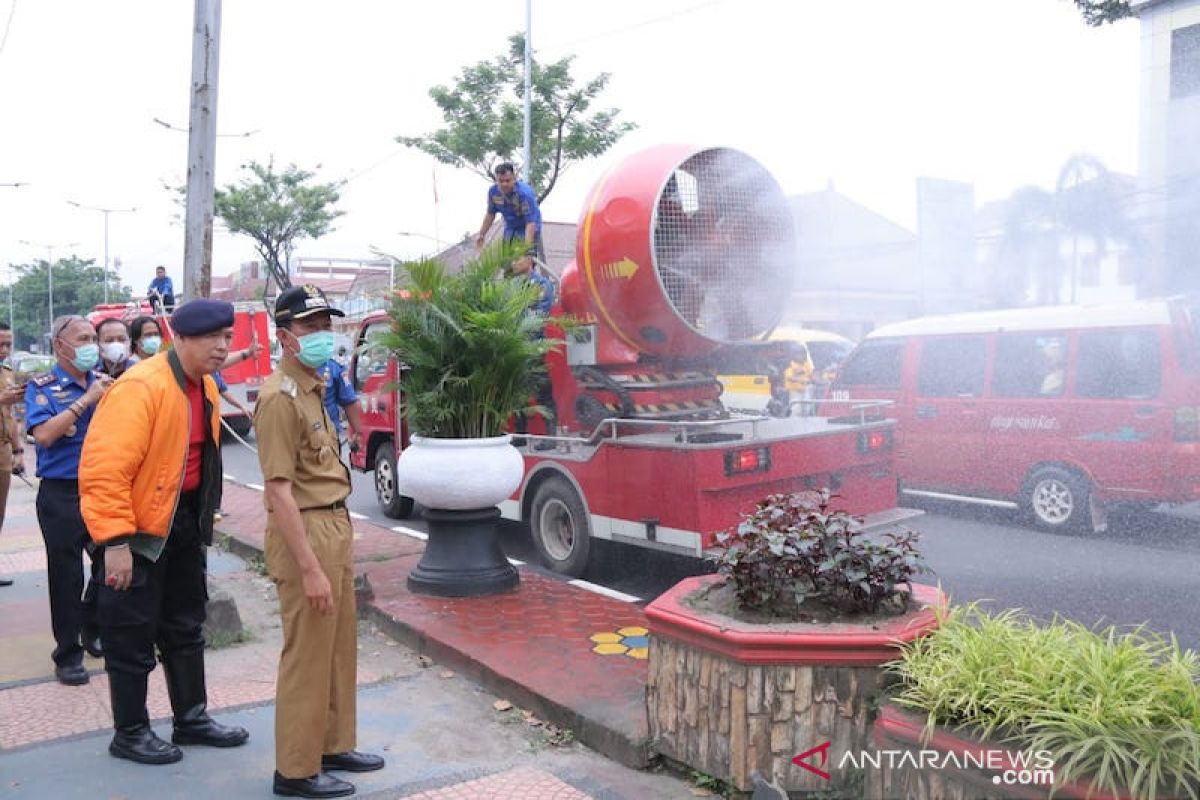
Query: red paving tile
(523, 783)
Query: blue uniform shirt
(338, 391)
(547, 301)
(46, 397)
(222, 387)
(518, 209)
(162, 286)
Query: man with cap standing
(149, 481)
(59, 406)
(308, 547)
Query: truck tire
(1058, 499)
(387, 492)
(559, 526)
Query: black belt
(330, 507)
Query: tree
(484, 118)
(1099, 12)
(78, 288)
(276, 209)
(1029, 249)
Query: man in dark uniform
(12, 453)
(308, 546)
(341, 399)
(149, 480)
(59, 406)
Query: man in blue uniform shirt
(516, 202)
(161, 292)
(59, 406)
(340, 396)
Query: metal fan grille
(724, 246)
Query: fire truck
(250, 322)
(683, 265)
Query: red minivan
(1058, 410)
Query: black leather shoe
(139, 743)
(352, 761)
(91, 644)
(319, 785)
(6, 581)
(207, 730)
(71, 674)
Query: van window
(1119, 365)
(873, 364)
(951, 367)
(1029, 365)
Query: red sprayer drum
(681, 249)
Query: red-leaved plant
(793, 555)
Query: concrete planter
(732, 698)
(1005, 773)
(460, 474)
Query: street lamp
(105, 212)
(49, 273)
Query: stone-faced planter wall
(898, 730)
(732, 698)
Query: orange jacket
(135, 453)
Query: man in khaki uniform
(308, 546)
(12, 454)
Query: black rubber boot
(189, 703)
(134, 739)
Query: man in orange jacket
(149, 481)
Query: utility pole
(202, 141)
(105, 212)
(528, 90)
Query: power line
(12, 11)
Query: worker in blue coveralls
(339, 397)
(516, 202)
(161, 293)
(59, 407)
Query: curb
(605, 740)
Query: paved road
(1146, 568)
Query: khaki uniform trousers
(6, 462)
(315, 693)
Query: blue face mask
(315, 348)
(86, 357)
(151, 344)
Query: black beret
(200, 316)
(299, 302)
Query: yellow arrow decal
(625, 268)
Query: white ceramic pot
(460, 474)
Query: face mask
(115, 351)
(86, 357)
(315, 348)
(151, 344)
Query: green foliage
(484, 118)
(471, 347)
(277, 209)
(1121, 710)
(1098, 12)
(702, 780)
(78, 288)
(793, 552)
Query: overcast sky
(867, 94)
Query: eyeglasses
(64, 322)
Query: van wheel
(394, 504)
(560, 529)
(1058, 499)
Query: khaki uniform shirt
(6, 422)
(296, 440)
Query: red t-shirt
(191, 475)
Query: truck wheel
(394, 504)
(560, 529)
(1058, 499)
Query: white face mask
(115, 351)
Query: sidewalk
(444, 737)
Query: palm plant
(471, 348)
